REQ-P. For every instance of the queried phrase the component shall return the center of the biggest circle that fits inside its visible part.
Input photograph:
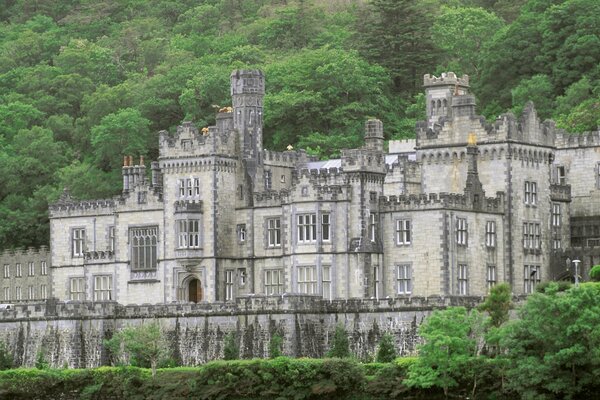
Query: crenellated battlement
(188, 206)
(434, 201)
(66, 205)
(189, 141)
(566, 140)
(290, 158)
(363, 159)
(25, 252)
(446, 78)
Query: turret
(247, 92)
(442, 94)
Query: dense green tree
(553, 348)
(453, 340)
(462, 33)
(123, 133)
(386, 350)
(340, 346)
(397, 35)
(537, 89)
(497, 304)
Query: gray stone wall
(25, 275)
(72, 333)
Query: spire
(473, 188)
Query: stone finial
(141, 160)
(290, 147)
(124, 161)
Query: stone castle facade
(464, 207)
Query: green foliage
(40, 360)
(497, 304)
(142, 346)
(340, 346)
(275, 346)
(231, 349)
(453, 340)
(553, 348)
(595, 273)
(537, 89)
(6, 359)
(386, 351)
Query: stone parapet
(435, 201)
(560, 192)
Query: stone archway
(195, 293)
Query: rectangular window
(44, 268)
(188, 187)
(102, 287)
(188, 234)
(531, 235)
(491, 276)
(30, 293)
(6, 271)
(326, 281)
(77, 289)
(561, 175)
(111, 239)
(78, 242)
(403, 279)
(326, 227)
(530, 193)
(307, 280)
(7, 293)
(531, 278)
(18, 293)
(241, 231)
(555, 214)
(196, 187)
(307, 228)
(490, 233)
(274, 281)
(403, 235)
(30, 269)
(268, 180)
(143, 248)
(274, 232)
(228, 284)
(43, 292)
(461, 231)
(181, 185)
(556, 244)
(373, 226)
(462, 279)
(19, 272)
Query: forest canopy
(83, 83)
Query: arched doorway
(195, 291)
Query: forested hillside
(83, 82)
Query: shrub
(275, 346)
(386, 351)
(595, 273)
(340, 346)
(6, 359)
(231, 350)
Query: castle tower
(442, 93)
(374, 134)
(247, 93)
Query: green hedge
(280, 378)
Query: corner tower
(247, 93)
(440, 92)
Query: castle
(464, 207)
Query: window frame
(229, 282)
(31, 268)
(18, 270)
(307, 279)
(77, 242)
(80, 284)
(556, 215)
(403, 232)
(271, 286)
(462, 232)
(273, 232)
(6, 271)
(306, 228)
(143, 256)
(326, 282)
(490, 234)
(188, 233)
(529, 283)
(326, 227)
(491, 276)
(403, 279)
(462, 279)
(103, 287)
